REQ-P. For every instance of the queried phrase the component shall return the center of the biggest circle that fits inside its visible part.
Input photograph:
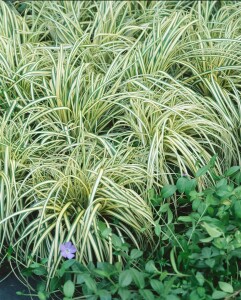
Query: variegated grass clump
(102, 101)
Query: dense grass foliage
(102, 101)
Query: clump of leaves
(101, 101)
(197, 255)
(203, 239)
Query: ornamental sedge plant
(101, 102)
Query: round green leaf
(237, 209)
(147, 294)
(125, 278)
(138, 278)
(168, 190)
(200, 278)
(226, 287)
(104, 295)
(157, 286)
(41, 296)
(212, 230)
(125, 294)
(136, 253)
(150, 267)
(67, 264)
(90, 283)
(202, 171)
(190, 185)
(219, 295)
(232, 170)
(182, 184)
(157, 229)
(69, 289)
(101, 273)
(39, 271)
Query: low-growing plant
(197, 254)
(101, 101)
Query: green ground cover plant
(102, 104)
(197, 253)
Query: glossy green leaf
(125, 294)
(125, 278)
(116, 240)
(150, 267)
(101, 273)
(225, 287)
(105, 233)
(200, 278)
(69, 289)
(231, 171)
(212, 230)
(42, 296)
(168, 190)
(190, 186)
(237, 209)
(181, 184)
(136, 253)
(40, 271)
(90, 283)
(138, 278)
(157, 286)
(157, 229)
(202, 171)
(54, 282)
(185, 219)
(104, 295)
(147, 294)
(67, 264)
(219, 295)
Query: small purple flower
(184, 174)
(67, 250)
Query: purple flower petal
(64, 254)
(67, 249)
(72, 249)
(70, 255)
(68, 244)
(62, 247)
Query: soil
(9, 285)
